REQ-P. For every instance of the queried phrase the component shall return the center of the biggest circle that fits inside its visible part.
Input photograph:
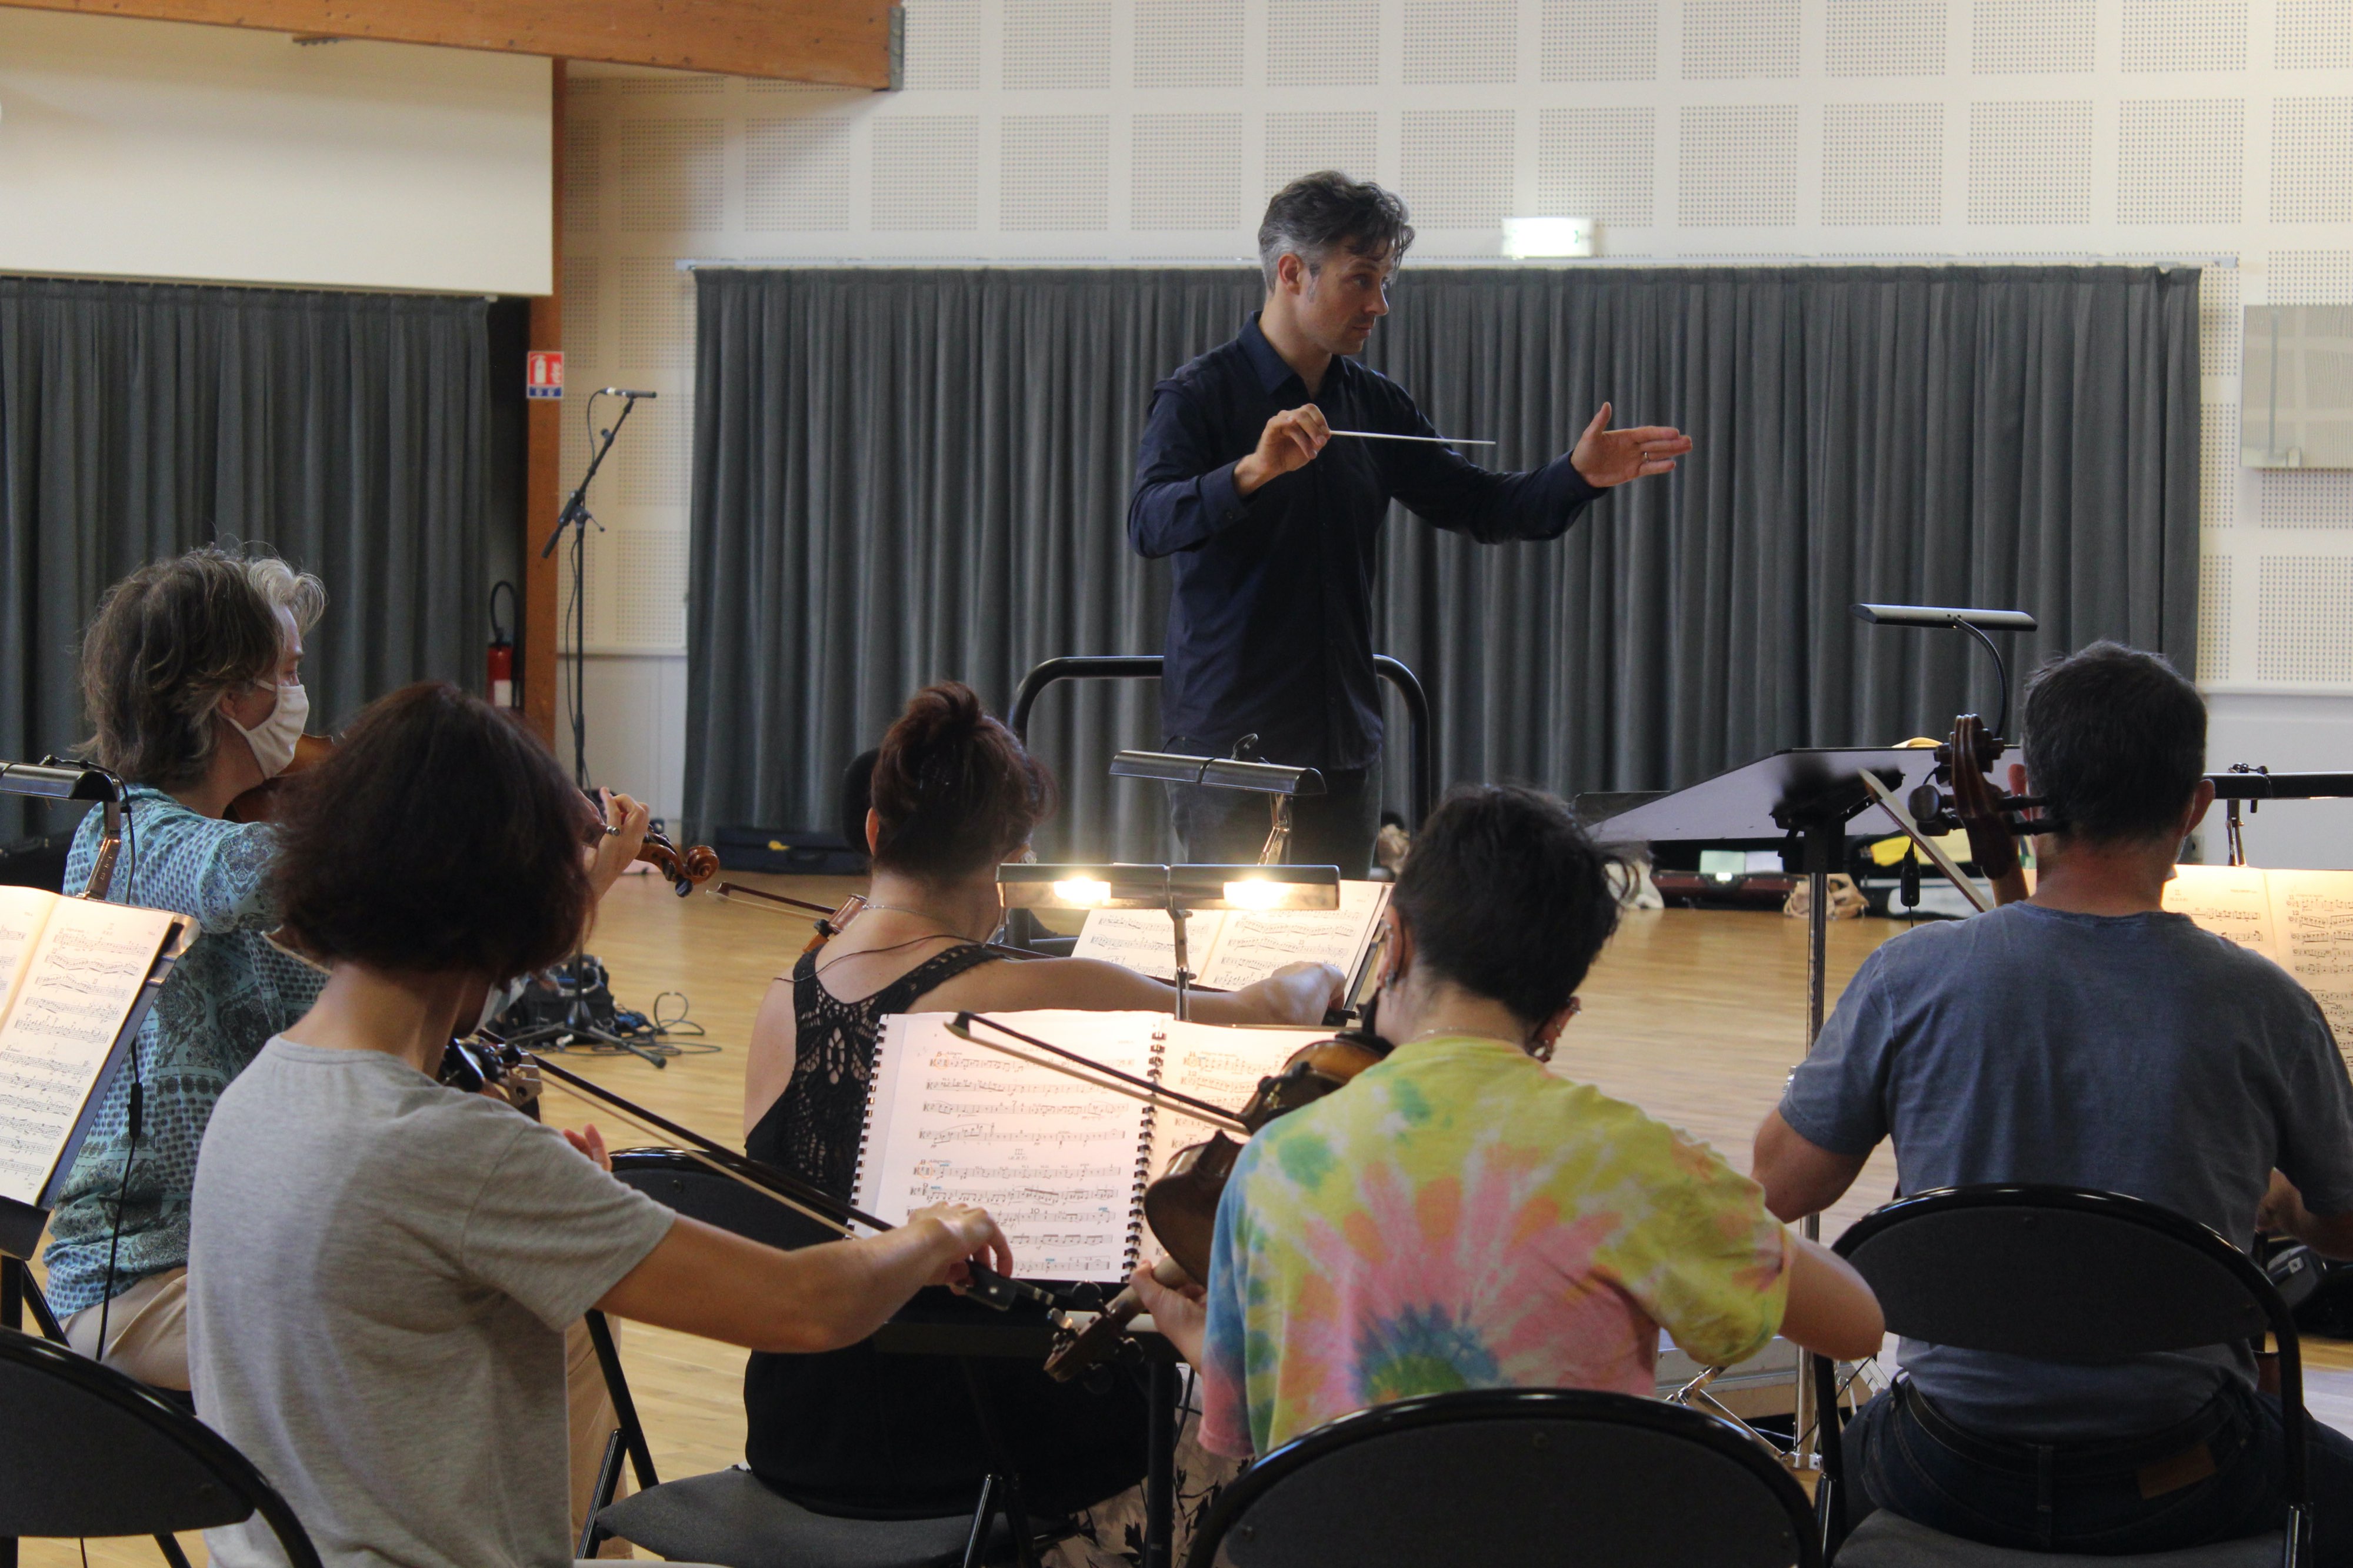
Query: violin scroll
(687, 869)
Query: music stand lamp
(1281, 785)
(1178, 889)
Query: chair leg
(625, 1409)
(1002, 1490)
(2299, 1537)
(608, 1480)
(976, 1545)
(170, 1548)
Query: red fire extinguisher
(502, 662)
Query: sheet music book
(2301, 920)
(72, 975)
(1060, 1163)
(1232, 948)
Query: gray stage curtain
(903, 475)
(346, 431)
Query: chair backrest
(87, 1451)
(678, 1180)
(2057, 1273)
(1512, 1478)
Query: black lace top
(813, 1129)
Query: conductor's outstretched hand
(1606, 457)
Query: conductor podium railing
(1423, 749)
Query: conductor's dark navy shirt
(1270, 624)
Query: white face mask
(274, 739)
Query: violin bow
(1073, 1065)
(985, 1285)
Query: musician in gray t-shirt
(2086, 1038)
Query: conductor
(1273, 520)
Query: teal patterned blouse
(227, 997)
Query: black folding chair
(2059, 1274)
(1514, 1477)
(729, 1517)
(87, 1451)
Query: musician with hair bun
(954, 796)
(382, 1269)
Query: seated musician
(382, 1269)
(954, 796)
(1458, 1216)
(2087, 1039)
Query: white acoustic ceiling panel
(2304, 498)
(1738, 165)
(2310, 277)
(1883, 162)
(1055, 172)
(944, 40)
(2181, 160)
(799, 173)
(1455, 166)
(2312, 160)
(2031, 161)
(670, 176)
(2032, 38)
(584, 174)
(655, 452)
(927, 172)
(1883, 37)
(2214, 617)
(1348, 140)
(2185, 35)
(1732, 40)
(1461, 42)
(1057, 45)
(2312, 35)
(1189, 43)
(1187, 172)
(656, 316)
(1596, 163)
(1598, 40)
(2304, 618)
(1322, 43)
(2218, 464)
(2220, 321)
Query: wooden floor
(1697, 1017)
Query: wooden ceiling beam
(846, 43)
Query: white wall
(1859, 130)
(162, 150)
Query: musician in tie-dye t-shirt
(1461, 1217)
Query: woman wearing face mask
(191, 675)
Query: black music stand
(1808, 795)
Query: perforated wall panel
(656, 314)
(1189, 43)
(945, 39)
(2312, 160)
(1057, 44)
(2312, 35)
(2214, 618)
(1348, 140)
(1598, 164)
(1188, 172)
(2032, 38)
(1322, 43)
(650, 587)
(1730, 40)
(927, 172)
(670, 175)
(2304, 618)
(1739, 165)
(1464, 158)
(2311, 277)
(2181, 160)
(1883, 162)
(2185, 35)
(655, 452)
(797, 172)
(2220, 321)
(667, 85)
(1599, 40)
(1056, 171)
(2218, 464)
(1461, 42)
(1883, 37)
(2031, 162)
(2307, 498)
(584, 174)
(584, 314)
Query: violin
(1959, 794)
(687, 869)
(1181, 1203)
(260, 803)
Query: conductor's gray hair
(1317, 213)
